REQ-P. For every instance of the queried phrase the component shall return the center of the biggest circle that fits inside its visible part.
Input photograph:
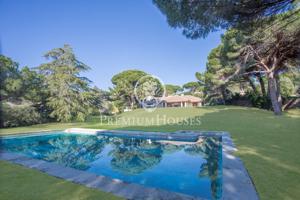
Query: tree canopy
(20, 93)
(10, 78)
(69, 91)
(261, 42)
(199, 18)
(249, 58)
(172, 89)
(124, 84)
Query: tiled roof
(185, 98)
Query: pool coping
(237, 183)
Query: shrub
(19, 115)
(259, 101)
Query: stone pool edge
(102, 183)
(237, 183)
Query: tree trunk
(278, 94)
(1, 116)
(290, 103)
(262, 85)
(131, 102)
(273, 92)
(223, 92)
(252, 85)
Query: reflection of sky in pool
(193, 169)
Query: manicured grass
(39, 127)
(20, 183)
(268, 144)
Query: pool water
(193, 169)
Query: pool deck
(237, 183)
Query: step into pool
(183, 166)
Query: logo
(149, 91)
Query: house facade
(181, 101)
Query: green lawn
(268, 144)
(20, 183)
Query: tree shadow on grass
(267, 144)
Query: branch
(258, 58)
(253, 72)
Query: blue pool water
(193, 169)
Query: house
(180, 101)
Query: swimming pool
(192, 167)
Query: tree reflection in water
(133, 156)
(75, 151)
(211, 151)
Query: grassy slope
(36, 185)
(267, 144)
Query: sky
(108, 35)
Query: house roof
(185, 98)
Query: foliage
(96, 98)
(287, 87)
(290, 82)
(246, 60)
(262, 39)
(191, 86)
(109, 108)
(70, 94)
(33, 86)
(258, 101)
(10, 79)
(219, 77)
(55, 90)
(199, 18)
(272, 51)
(20, 115)
(148, 88)
(172, 89)
(23, 89)
(124, 84)
(35, 91)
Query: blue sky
(108, 35)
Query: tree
(221, 68)
(34, 90)
(265, 53)
(69, 92)
(20, 96)
(290, 87)
(200, 17)
(172, 89)
(270, 41)
(192, 87)
(272, 52)
(124, 84)
(148, 88)
(19, 114)
(10, 79)
(100, 101)
(31, 85)
(10, 85)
